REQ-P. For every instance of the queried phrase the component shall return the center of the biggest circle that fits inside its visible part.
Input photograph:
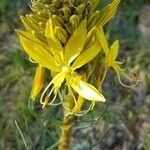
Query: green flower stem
(66, 130)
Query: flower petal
(38, 81)
(87, 55)
(58, 80)
(114, 51)
(102, 39)
(55, 45)
(26, 23)
(76, 43)
(85, 90)
(108, 12)
(36, 50)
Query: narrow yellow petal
(55, 45)
(102, 39)
(38, 81)
(37, 50)
(87, 55)
(58, 80)
(49, 30)
(76, 43)
(85, 90)
(90, 36)
(108, 12)
(113, 52)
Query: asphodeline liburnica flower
(64, 36)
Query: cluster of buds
(66, 16)
(67, 38)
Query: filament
(81, 113)
(56, 104)
(127, 86)
(48, 86)
(66, 107)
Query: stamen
(42, 96)
(32, 8)
(66, 107)
(130, 79)
(45, 102)
(81, 113)
(57, 104)
(48, 97)
(70, 5)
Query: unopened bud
(80, 9)
(74, 21)
(93, 18)
(61, 34)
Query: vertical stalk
(66, 130)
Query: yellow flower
(110, 59)
(65, 60)
(61, 36)
(110, 52)
(110, 55)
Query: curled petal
(85, 90)
(38, 81)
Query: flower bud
(74, 21)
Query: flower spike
(64, 37)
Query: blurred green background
(122, 123)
